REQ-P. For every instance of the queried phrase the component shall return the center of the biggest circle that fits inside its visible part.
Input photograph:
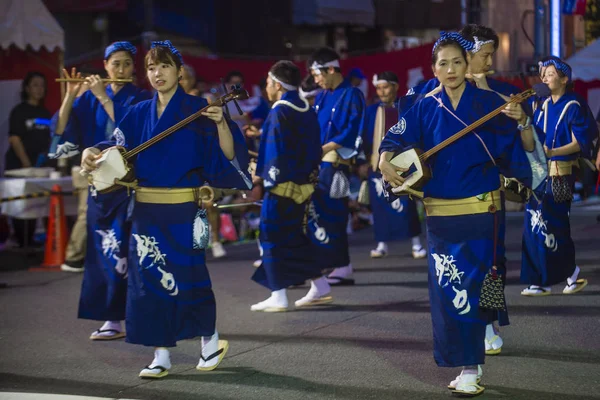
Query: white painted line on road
(46, 396)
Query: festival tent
(30, 40)
(586, 73)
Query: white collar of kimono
(479, 44)
(312, 93)
(292, 105)
(284, 85)
(376, 81)
(317, 67)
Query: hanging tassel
(492, 291)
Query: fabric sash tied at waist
(166, 195)
(291, 190)
(562, 168)
(483, 203)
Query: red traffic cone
(56, 233)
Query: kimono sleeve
(351, 129)
(368, 129)
(221, 172)
(405, 134)
(584, 128)
(68, 143)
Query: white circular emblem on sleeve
(399, 128)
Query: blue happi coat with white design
(290, 151)
(395, 220)
(548, 249)
(104, 284)
(341, 114)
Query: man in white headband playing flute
(341, 112)
(399, 219)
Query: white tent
(586, 73)
(29, 23)
(585, 63)
(30, 39)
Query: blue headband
(168, 45)
(559, 65)
(119, 46)
(455, 36)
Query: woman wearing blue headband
(99, 238)
(548, 249)
(170, 296)
(463, 204)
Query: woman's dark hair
(28, 78)
(483, 34)
(162, 55)
(324, 55)
(287, 72)
(447, 43)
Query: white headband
(308, 95)
(479, 44)
(376, 81)
(284, 85)
(317, 67)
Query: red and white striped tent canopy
(30, 40)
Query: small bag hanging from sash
(200, 228)
(492, 290)
(561, 188)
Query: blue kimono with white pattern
(396, 220)
(341, 114)
(170, 295)
(462, 247)
(104, 286)
(290, 150)
(519, 168)
(548, 250)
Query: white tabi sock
(573, 278)
(116, 325)
(210, 345)
(470, 369)
(382, 246)
(490, 331)
(320, 286)
(416, 243)
(260, 249)
(280, 297)
(342, 272)
(161, 358)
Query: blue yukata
(548, 250)
(169, 294)
(461, 200)
(341, 114)
(519, 167)
(290, 151)
(399, 219)
(104, 286)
